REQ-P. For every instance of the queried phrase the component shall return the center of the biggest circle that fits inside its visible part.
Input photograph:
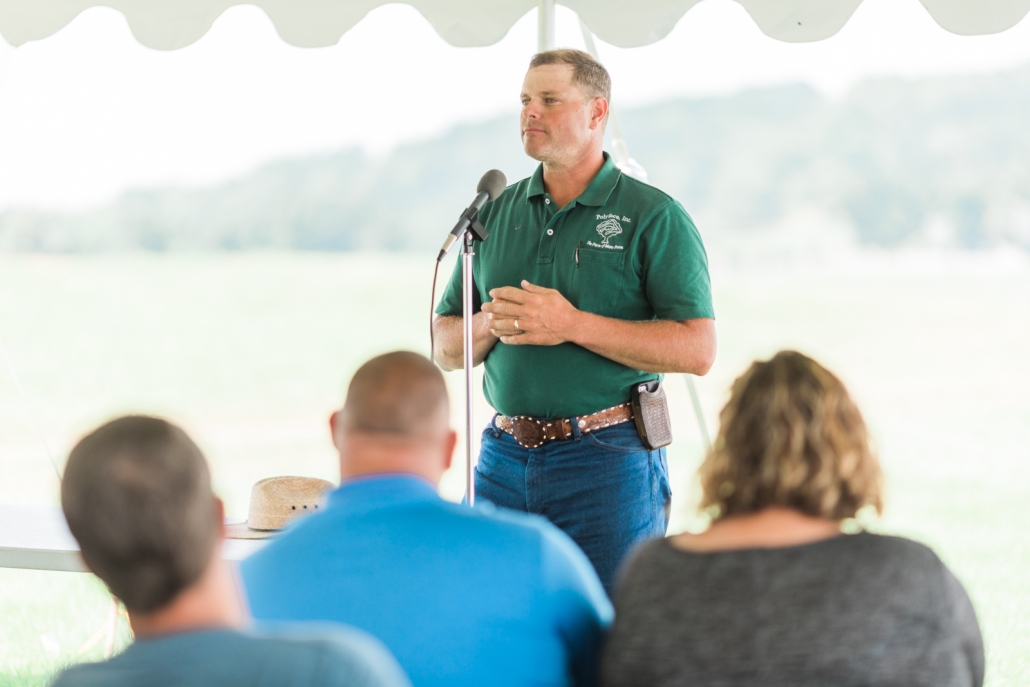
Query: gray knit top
(853, 610)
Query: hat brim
(240, 530)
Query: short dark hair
(399, 393)
(587, 73)
(137, 496)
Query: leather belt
(533, 432)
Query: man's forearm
(658, 346)
(548, 318)
(448, 335)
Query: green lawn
(251, 353)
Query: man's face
(558, 120)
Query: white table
(37, 538)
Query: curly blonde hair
(790, 436)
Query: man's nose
(530, 111)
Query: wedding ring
(516, 323)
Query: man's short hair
(790, 436)
(587, 73)
(402, 394)
(137, 496)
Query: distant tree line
(900, 161)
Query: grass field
(251, 353)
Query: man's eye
(550, 100)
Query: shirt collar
(378, 491)
(595, 195)
(536, 182)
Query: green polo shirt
(623, 249)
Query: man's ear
(450, 443)
(598, 113)
(220, 516)
(334, 427)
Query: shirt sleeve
(581, 609)
(348, 657)
(66, 678)
(450, 302)
(968, 629)
(675, 266)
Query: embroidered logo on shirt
(608, 229)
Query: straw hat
(275, 501)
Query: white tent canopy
(172, 24)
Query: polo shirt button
(550, 232)
(547, 201)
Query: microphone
(490, 186)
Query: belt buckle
(528, 432)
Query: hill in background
(897, 162)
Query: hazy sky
(89, 112)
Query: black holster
(651, 414)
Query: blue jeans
(603, 488)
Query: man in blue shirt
(137, 496)
(460, 596)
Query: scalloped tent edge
(173, 24)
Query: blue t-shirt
(327, 656)
(461, 596)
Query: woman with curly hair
(774, 593)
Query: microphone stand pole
(468, 251)
(474, 233)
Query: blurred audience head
(396, 419)
(790, 437)
(137, 496)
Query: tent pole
(698, 413)
(631, 167)
(545, 26)
(621, 150)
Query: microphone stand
(474, 233)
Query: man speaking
(590, 284)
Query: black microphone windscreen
(493, 183)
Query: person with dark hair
(137, 496)
(461, 596)
(774, 593)
(591, 285)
